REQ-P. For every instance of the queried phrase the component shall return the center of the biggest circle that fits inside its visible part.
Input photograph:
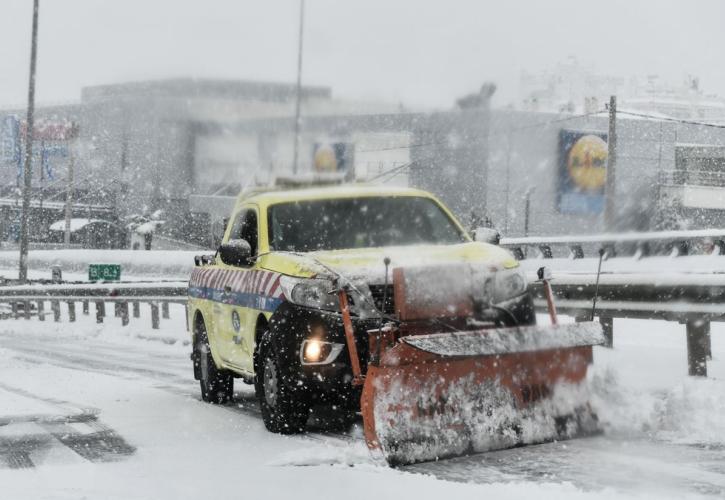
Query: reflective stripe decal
(256, 289)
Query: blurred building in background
(179, 151)
(573, 87)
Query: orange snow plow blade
(451, 394)
(430, 395)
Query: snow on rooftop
(75, 224)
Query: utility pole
(295, 160)
(527, 209)
(27, 172)
(69, 196)
(42, 176)
(610, 187)
(508, 183)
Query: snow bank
(641, 388)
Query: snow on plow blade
(451, 394)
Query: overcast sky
(422, 53)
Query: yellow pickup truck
(264, 308)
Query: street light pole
(27, 172)
(295, 160)
(611, 185)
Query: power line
(507, 131)
(546, 123)
(669, 119)
(393, 171)
(406, 146)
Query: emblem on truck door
(236, 324)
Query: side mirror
(487, 235)
(235, 252)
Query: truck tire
(217, 386)
(284, 410)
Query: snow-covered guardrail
(638, 244)
(694, 299)
(24, 301)
(670, 275)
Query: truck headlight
(319, 352)
(508, 283)
(310, 292)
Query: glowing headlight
(308, 292)
(509, 283)
(319, 352)
(312, 351)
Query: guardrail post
(546, 251)
(697, 336)
(576, 252)
(26, 309)
(165, 310)
(608, 330)
(136, 309)
(71, 311)
(100, 311)
(124, 313)
(55, 307)
(41, 310)
(155, 315)
(86, 308)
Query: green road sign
(104, 272)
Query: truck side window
(245, 227)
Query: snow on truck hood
(367, 263)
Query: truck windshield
(336, 224)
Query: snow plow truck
(376, 301)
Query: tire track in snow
(26, 439)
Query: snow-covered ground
(112, 412)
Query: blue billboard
(582, 172)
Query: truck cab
(265, 310)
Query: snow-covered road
(89, 411)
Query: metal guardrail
(637, 244)
(693, 299)
(25, 301)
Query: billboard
(582, 171)
(10, 139)
(333, 157)
(51, 142)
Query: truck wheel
(217, 386)
(283, 410)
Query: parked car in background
(89, 233)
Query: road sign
(104, 272)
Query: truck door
(237, 314)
